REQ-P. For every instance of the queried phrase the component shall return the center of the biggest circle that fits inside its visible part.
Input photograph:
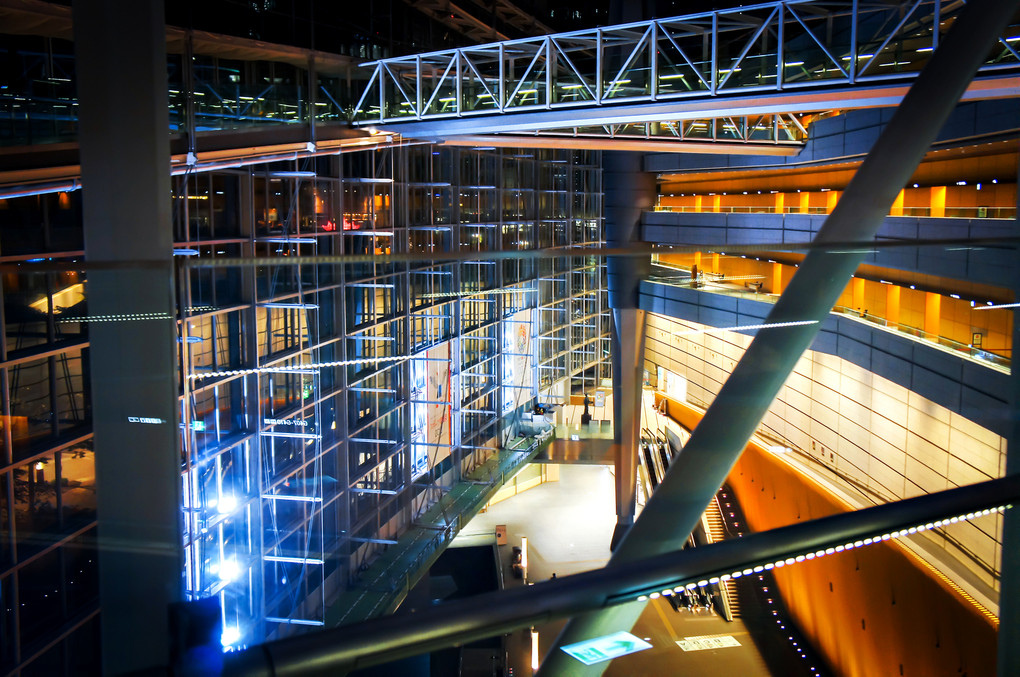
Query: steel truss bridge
(738, 76)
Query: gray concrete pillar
(629, 192)
(125, 159)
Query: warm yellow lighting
(534, 649)
(65, 298)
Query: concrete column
(892, 305)
(932, 313)
(777, 278)
(780, 203)
(125, 158)
(715, 262)
(857, 293)
(897, 205)
(698, 202)
(716, 203)
(938, 201)
(629, 192)
(831, 198)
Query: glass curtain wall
(327, 405)
(48, 564)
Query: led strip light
(796, 559)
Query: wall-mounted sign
(299, 422)
(606, 648)
(145, 419)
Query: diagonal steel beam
(381, 640)
(717, 442)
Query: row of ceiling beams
(470, 26)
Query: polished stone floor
(568, 524)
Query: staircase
(715, 528)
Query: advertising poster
(517, 363)
(430, 408)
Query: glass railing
(1008, 212)
(955, 346)
(716, 284)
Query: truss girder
(773, 47)
(778, 129)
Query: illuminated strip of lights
(292, 560)
(746, 327)
(850, 545)
(1002, 305)
(293, 621)
(318, 365)
(288, 240)
(440, 295)
(297, 306)
(283, 497)
(303, 436)
(128, 317)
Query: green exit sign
(606, 648)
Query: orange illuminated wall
(975, 200)
(876, 610)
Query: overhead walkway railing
(770, 48)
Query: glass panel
(35, 505)
(78, 485)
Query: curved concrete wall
(966, 387)
(884, 439)
(988, 265)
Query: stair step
(734, 601)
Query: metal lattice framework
(781, 128)
(766, 48)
